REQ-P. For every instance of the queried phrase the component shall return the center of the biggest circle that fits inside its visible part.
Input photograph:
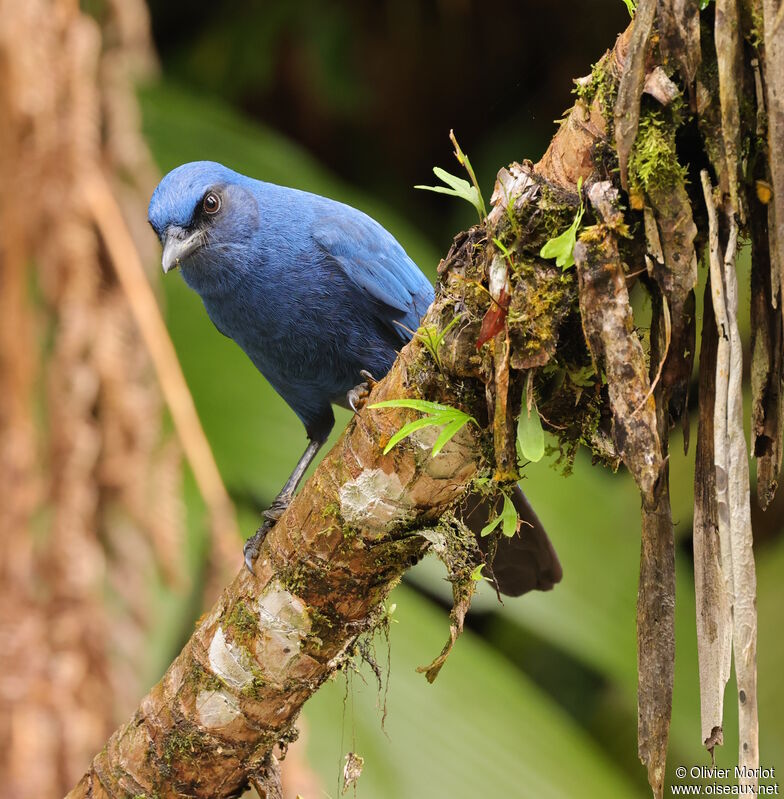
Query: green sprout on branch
(451, 419)
(457, 187)
(476, 574)
(530, 435)
(505, 251)
(562, 247)
(432, 338)
(507, 518)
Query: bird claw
(276, 509)
(369, 379)
(271, 515)
(253, 544)
(357, 396)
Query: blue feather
(314, 291)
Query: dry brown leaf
(627, 105)
(732, 481)
(767, 366)
(728, 51)
(352, 771)
(656, 592)
(655, 638)
(773, 79)
(609, 330)
(679, 25)
(674, 267)
(714, 604)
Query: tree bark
(274, 637)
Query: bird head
(202, 212)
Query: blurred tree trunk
(91, 510)
(90, 494)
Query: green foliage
(653, 163)
(631, 6)
(457, 187)
(476, 574)
(507, 518)
(530, 435)
(432, 338)
(562, 247)
(505, 250)
(451, 419)
(584, 376)
(482, 710)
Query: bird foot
(271, 515)
(357, 396)
(253, 544)
(275, 510)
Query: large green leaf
(482, 729)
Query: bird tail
(525, 562)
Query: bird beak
(177, 246)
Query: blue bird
(320, 297)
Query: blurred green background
(354, 100)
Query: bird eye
(211, 203)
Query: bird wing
(373, 260)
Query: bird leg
(280, 503)
(357, 396)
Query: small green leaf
(631, 6)
(508, 517)
(562, 246)
(704, 4)
(504, 249)
(584, 377)
(438, 415)
(407, 430)
(449, 431)
(476, 574)
(463, 187)
(457, 187)
(490, 526)
(530, 434)
(425, 406)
